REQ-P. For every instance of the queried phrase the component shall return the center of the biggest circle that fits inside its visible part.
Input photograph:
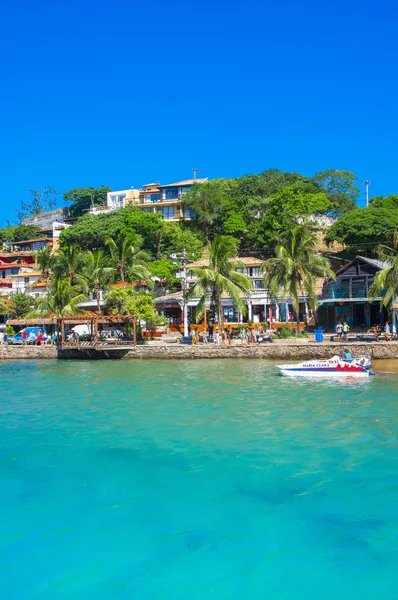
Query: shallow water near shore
(195, 479)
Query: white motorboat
(332, 367)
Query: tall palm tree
(128, 260)
(70, 262)
(61, 300)
(221, 276)
(386, 281)
(98, 274)
(46, 261)
(294, 269)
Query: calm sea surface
(194, 480)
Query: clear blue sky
(124, 93)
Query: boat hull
(322, 373)
(333, 367)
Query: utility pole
(184, 292)
(366, 184)
(195, 171)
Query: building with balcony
(347, 298)
(260, 307)
(165, 200)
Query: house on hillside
(347, 298)
(165, 199)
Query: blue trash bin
(318, 335)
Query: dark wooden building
(347, 298)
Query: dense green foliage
(19, 233)
(129, 302)
(81, 199)
(19, 304)
(340, 188)
(159, 237)
(256, 208)
(365, 228)
(389, 202)
(386, 280)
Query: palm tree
(70, 262)
(128, 260)
(294, 269)
(62, 299)
(98, 274)
(45, 260)
(386, 279)
(221, 276)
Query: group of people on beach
(224, 335)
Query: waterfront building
(347, 298)
(261, 307)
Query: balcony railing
(338, 291)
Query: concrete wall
(291, 351)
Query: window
(167, 212)
(258, 283)
(187, 213)
(171, 193)
(149, 210)
(26, 280)
(153, 198)
(14, 271)
(254, 271)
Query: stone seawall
(23, 352)
(290, 351)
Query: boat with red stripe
(332, 367)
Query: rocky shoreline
(288, 351)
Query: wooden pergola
(94, 321)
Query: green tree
(286, 209)
(40, 201)
(127, 301)
(175, 237)
(340, 188)
(62, 300)
(165, 271)
(386, 281)
(19, 233)
(98, 274)
(81, 199)
(389, 202)
(208, 205)
(364, 228)
(45, 261)
(91, 231)
(19, 305)
(128, 260)
(70, 262)
(295, 267)
(221, 276)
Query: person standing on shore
(24, 337)
(346, 329)
(339, 331)
(211, 332)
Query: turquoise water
(195, 480)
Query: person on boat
(347, 354)
(339, 331)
